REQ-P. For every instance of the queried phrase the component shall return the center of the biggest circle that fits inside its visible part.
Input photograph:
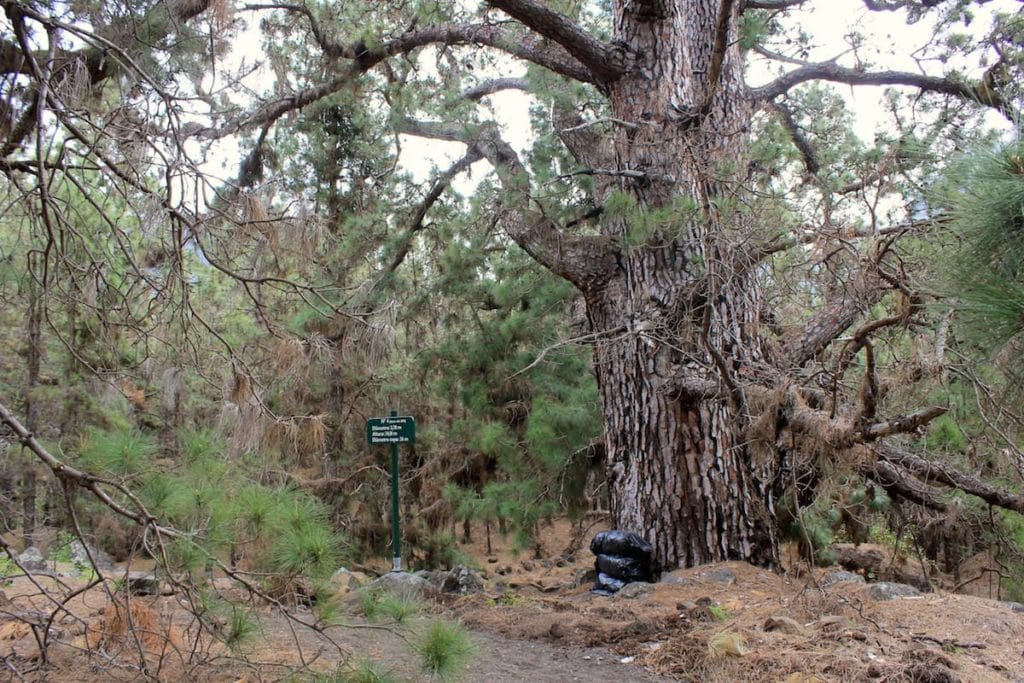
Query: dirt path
(496, 658)
(512, 661)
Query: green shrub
(8, 570)
(444, 649)
(366, 670)
(240, 628)
(944, 433)
(379, 604)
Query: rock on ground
(80, 551)
(404, 585)
(835, 577)
(886, 590)
(634, 590)
(461, 580)
(32, 559)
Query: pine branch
(899, 483)
(800, 140)
(364, 59)
(830, 71)
(12, 61)
(481, 90)
(599, 58)
(902, 424)
(894, 5)
(586, 261)
(98, 58)
(834, 316)
(76, 477)
(440, 185)
(946, 475)
(717, 56)
(771, 4)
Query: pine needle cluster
(982, 196)
(444, 649)
(279, 530)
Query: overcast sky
(889, 43)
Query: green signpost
(392, 430)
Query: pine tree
(729, 240)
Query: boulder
(583, 576)
(146, 583)
(878, 561)
(404, 585)
(722, 575)
(634, 590)
(784, 624)
(840, 576)
(32, 559)
(676, 578)
(343, 582)
(79, 552)
(461, 581)
(887, 590)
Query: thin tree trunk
(33, 358)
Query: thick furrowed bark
(680, 472)
(694, 496)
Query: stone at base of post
(396, 564)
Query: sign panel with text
(387, 430)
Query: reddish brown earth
(536, 622)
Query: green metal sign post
(392, 430)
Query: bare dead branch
(929, 471)
(902, 424)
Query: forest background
(817, 334)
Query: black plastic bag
(621, 543)
(607, 585)
(625, 568)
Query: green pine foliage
(304, 543)
(387, 606)
(444, 649)
(944, 434)
(225, 514)
(511, 402)
(118, 453)
(983, 197)
(846, 513)
(240, 629)
(365, 670)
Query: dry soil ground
(536, 621)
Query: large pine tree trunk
(683, 313)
